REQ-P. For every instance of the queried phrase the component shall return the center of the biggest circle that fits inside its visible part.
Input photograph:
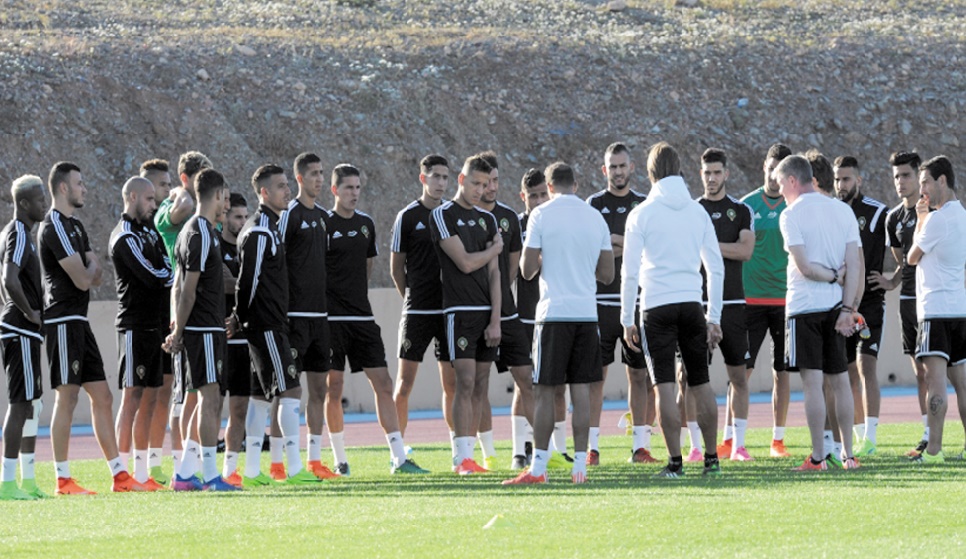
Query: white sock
(925, 425)
(518, 430)
(837, 449)
(640, 435)
(209, 463)
(253, 454)
(338, 447)
(778, 433)
(9, 470)
(255, 419)
(486, 444)
(190, 459)
(116, 466)
(276, 449)
(125, 459)
(539, 465)
(288, 421)
(26, 465)
(397, 449)
(859, 431)
(559, 436)
(231, 463)
(741, 428)
(452, 443)
(315, 447)
(464, 448)
(695, 432)
(154, 457)
(580, 463)
(684, 436)
(140, 465)
(176, 458)
(593, 439)
(827, 443)
(871, 425)
(729, 433)
(62, 469)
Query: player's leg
(781, 389)
(638, 393)
(159, 417)
(815, 411)
(522, 409)
(871, 401)
(13, 424)
(103, 422)
(957, 378)
(547, 376)
(405, 379)
(21, 356)
(937, 399)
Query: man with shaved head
(143, 279)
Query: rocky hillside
(109, 83)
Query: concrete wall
(894, 367)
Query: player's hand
(173, 343)
(879, 281)
(922, 206)
(632, 338)
(497, 242)
(841, 271)
(34, 316)
(714, 335)
(845, 323)
(493, 334)
(231, 326)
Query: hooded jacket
(667, 239)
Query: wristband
(835, 276)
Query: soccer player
(764, 282)
(939, 253)
(567, 346)
(514, 350)
(142, 275)
(615, 203)
(822, 240)
(900, 228)
(303, 228)
(355, 335)
(415, 273)
(198, 300)
(70, 269)
(667, 240)
(468, 247)
(734, 227)
(158, 172)
(870, 214)
(237, 372)
(20, 339)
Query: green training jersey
(764, 275)
(167, 230)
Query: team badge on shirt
(731, 214)
(292, 372)
(483, 223)
(365, 231)
(862, 223)
(504, 225)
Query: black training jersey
(615, 210)
(528, 291)
(509, 225)
(352, 242)
(410, 235)
(229, 258)
(142, 274)
(871, 215)
(19, 249)
(198, 249)
(304, 232)
(475, 228)
(730, 217)
(60, 237)
(900, 228)
(262, 289)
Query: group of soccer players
(214, 303)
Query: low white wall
(894, 367)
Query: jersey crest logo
(365, 231)
(716, 215)
(140, 371)
(634, 204)
(862, 223)
(605, 211)
(420, 226)
(462, 343)
(295, 353)
(731, 214)
(483, 223)
(504, 225)
(407, 344)
(621, 210)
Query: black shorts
(611, 331)
(667, 329)
(272, 363)
(761, 320)
(203, 359)
(566, 353)
(359, 343)
(21, 362)
(72, 353)
(874, 315)
(942, 337)
(310, 340)
(515, 346)
(139, 358)
(813, 343)
(466, 336)
(167, 362)
(237, 376)
(910, 325)
(415, 333)
(734, 335)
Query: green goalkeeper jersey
(764, 274)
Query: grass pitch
(889, 508)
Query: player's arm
(13, 289)
(130, 251)
(845, 324)
(861, 275)
(369, 269)
(880, 281)
(493, 333)
(184, 302)
(397, 269)
(812, 271)
(530, 262)
(514, 266)
(181, 208)
(617, 242)
(250, 254)
(605, 267)
(469, 262)
(82, 276)
(633, 252)
(229, 278)
(742, 249)
(921, 243)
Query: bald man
(143, 280)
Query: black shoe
(519, 462)
(220, 447)
(528, 451)
(266, 443)
(669, 473)
(342, 469)
(567, 457)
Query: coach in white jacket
(667, 239)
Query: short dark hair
(909, 158)
(191, 162)
(343, 170)
(940, 166)
(778, 152)
(490, 157)
(616, 147)
(207, 182)
(155, 166)
(430, 161)
(59, 173)
(263, 173)
(560, 175)
(662, 162)
(476, 163)
(714, 155)
(236, 200)
(302, 162)
(821, 170)
(532, 178)
(844, 161)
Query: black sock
(675, 463)
(814, 461)
(710, 459)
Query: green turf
(889, 508)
